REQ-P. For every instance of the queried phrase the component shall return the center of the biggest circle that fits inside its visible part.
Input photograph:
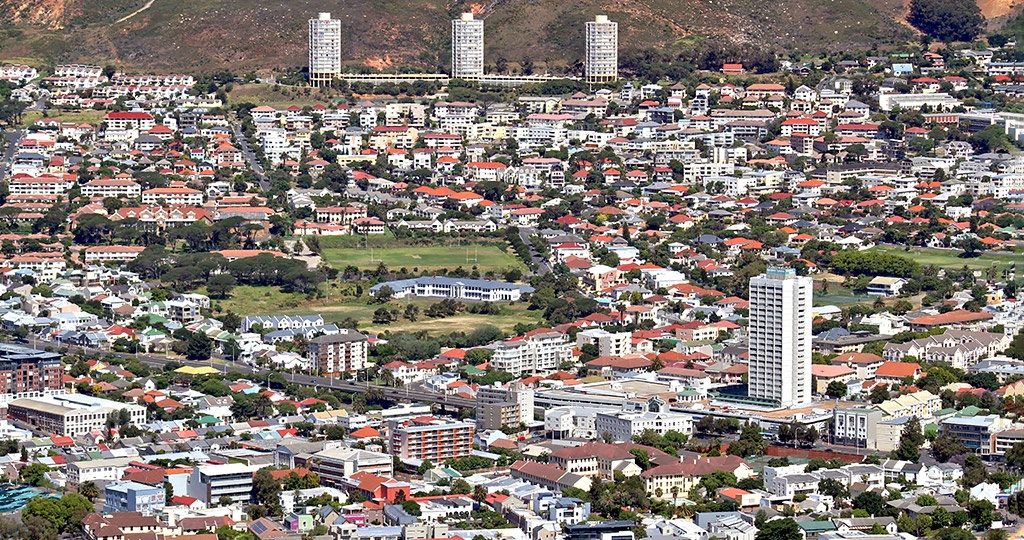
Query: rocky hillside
(165, 35)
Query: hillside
(252, 34)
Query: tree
(833, 488)
(37, 528)
(384, 294)
(35, 475)
(461, 487)
(89, 490)
(870, 502)
(64, 514)
(780, 529)
(947, 445)
(947, 20)
(836, 389)
(383, 315)
(879, 394)
(981, 513)
(911, 440)
(199, 346)
(479, 493)
(224, 500)
(266, 490)
(412, 508)
(220, 285)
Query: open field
(92, 118)
(839, 296)
(486, 257)
(949, 258)
(248, 300)
(251, 300)
(278, 96)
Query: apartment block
(498, 405)
(467, 47)
(209, 483)
(427, 437)
(324, 50)
(334, 354)
(130, 496)
(97, 470)
(23, 370)
(780, 337)
(537, 351)
(856, 426)
(602, 54)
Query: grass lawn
(839, 296)
(949, 258)
(484, 257)
(248, 300)
(90, 117)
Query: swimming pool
(14, 497)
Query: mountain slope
(252, 34)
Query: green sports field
(949, 258)
(485, 257)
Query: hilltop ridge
(214, 34)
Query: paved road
(12, 138)
(226, 364)
(543, 267)
(248, 154)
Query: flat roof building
(324, 50)
(602, 54)
(780, 337)
(467, 47)
(70, 414)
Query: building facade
(430, 438)
(324, 50)
(70, 414)
(334, 354)
(602, 58)
(467, 47)
(24, 370)
(780, 337)
(130, 496)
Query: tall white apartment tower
(467, 47)
(602, 59)
(324, 50)
(780, 337)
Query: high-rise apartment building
(602, 58)
(537, 351)
(467, 47)
(426, 437)
(780, 337)
(324, 50)
(334, 354)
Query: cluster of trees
(188, 271)
(63, 515)
(947, 20)
(875, 264)
(798, 433)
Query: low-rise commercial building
(70, 414)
